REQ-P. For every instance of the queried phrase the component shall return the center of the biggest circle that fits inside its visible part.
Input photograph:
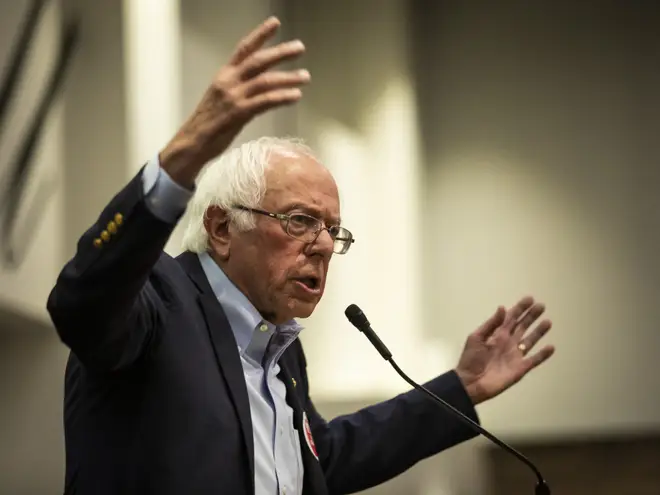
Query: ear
(216, 223)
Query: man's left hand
(496, 354)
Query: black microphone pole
(359, 321)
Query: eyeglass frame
(285, 218)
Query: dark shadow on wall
(12, 246)
(615, 465)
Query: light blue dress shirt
(278, 468)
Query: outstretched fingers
(516, 311)
(533, 360)
(272, 99)
(255, 40)
(276, 80)
(491, 324)
(528, 318)
(266, 58)
(257, 88)
(527, 341)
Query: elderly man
(186, 375)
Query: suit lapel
(291, 395)
(313, 479)
(225, 349)
(226, 353)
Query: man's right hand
(242, 89)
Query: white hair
(238, 177)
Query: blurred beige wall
(517, 140)
(540, 129)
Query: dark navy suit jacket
(155, 398)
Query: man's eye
(302, 221)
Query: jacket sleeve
(107, 303)
(375, 444)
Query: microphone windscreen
(356, 317)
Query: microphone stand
(359, 320)
(542, 487)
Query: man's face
(282, 276)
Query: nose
(324, 243)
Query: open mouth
(310, 283)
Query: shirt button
(263, 327)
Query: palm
(492, 361)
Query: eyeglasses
(306, 228)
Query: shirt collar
(253, 334)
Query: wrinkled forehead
(295, 181)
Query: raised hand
(495, 355)
(242, 89)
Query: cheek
(281, 268)
(283, 262)
(275, 257)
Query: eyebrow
(310, 210)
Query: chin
(301, 309)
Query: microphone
(359, 321)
